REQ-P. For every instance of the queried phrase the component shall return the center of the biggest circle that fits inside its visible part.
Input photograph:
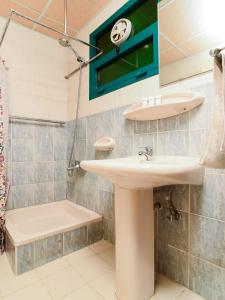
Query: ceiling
(188, 27)
(51, 13)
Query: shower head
(64, 42)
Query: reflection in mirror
(188, 29)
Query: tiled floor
(88, 274)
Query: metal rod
(5, 28)
(85, 65)
(65, 17)
(14, 12)
(25, 119)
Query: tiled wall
(191, 250)
(37, 164)
(29, 256)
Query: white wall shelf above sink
(165, 106)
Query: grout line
(172, 44)
(42, 13)
(161, 7)
(25, 6)
(189, 233)
(75, 30)
(206, 217)
(208, 262)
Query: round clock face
(121, 31)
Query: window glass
(136, 59)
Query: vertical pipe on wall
(65, 17)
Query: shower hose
(74, 164)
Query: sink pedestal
(134, 180)
(134, 244)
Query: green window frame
(150, 33)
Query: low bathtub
(55, 229)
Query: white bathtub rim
(27, 239)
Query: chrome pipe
(5, 28)
(14, 12)
(65, 17)
(26, 119)
(85, 65)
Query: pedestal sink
(134, 180)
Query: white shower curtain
(214, 152)
(4, 184)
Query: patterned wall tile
(122, 126)
(43, 193)
(60, 143)
(22, 173)
(22, 130)
(202, 280)
(208, 200)
(141, 127)
(180, 122)
(74, 240)
(43, 149)
(105, 204)
(22, 195)
(173, 143)
(124, 146)
(197, 142)
(173, 263)
(60, 172)
(95, 232)
(60, 189)
(109, 230)
(22, 150)
(199, 117)
(82, 129)
(43, 171)
(25, 258)
(48, 249)
(176, 234)
(208, 239)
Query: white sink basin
(137, 173)
(134, 179)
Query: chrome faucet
(148, 152)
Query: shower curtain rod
(14, 12)
(25, 119)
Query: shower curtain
(4, 184)
(213, 155)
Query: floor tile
(105, 285)
(51, 268)
(63, 282)
(167, 289)
(85, 293)
(109, 256)
(100, 246)
(34, 291)
(189, 295)
(16, 282)
(5, 268)
(76, 257)
(92, 267)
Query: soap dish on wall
(105, 143)
(165, 106)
